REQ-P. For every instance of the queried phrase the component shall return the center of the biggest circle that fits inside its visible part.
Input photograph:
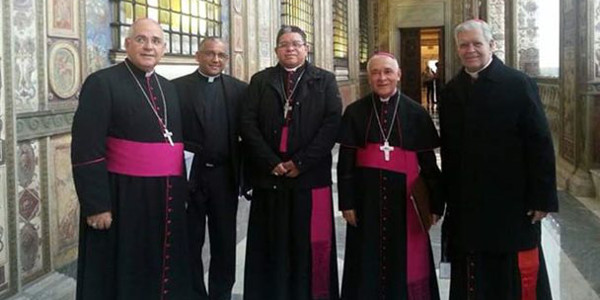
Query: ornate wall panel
(30, 207)
(496, 17)
(265, 40)
(528, 54)
(97, 35)
(65, 207)
(64, 70)
(24, 47)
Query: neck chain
(287, 107)
(386, 148)
(166, 133)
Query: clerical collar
(475, 74)
(139, 71)
(294, 69)
(385, 100)
(210, 79)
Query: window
(299, 13)
(340, 34)
(363, 27)
(538, 37)
(184, 22)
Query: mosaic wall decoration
(496, 18)
(24, 44)
(63, 18)
(64, 69)
(66, 206)
(528, 37)
(97, 33)
(29, 207)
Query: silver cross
(167, 134)
(386, 148)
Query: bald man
(127, 157)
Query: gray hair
(383, 54)
(474, 24)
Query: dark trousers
(215, 198)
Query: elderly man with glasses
(127, 154)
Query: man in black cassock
(209, 103)
(386, 142)
(289, 124)
(127, 159)
(498, 173)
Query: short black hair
(291, 28)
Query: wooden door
(410, 62)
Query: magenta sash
(417, 240)
(144, 159)
(321, 232)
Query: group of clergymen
(143, 213)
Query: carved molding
(43, 124)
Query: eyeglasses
(294, 44)
(212, 55)
(142, 40)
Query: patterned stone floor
(571, 243)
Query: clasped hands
(287, 169)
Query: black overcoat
(312, 134)
(497, 160)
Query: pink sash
(144, 159)
(417, 240)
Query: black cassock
(388, 255)
(119, 157)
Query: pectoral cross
(386, 148)
(287, 108)
(167, 134)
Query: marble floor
(571, 243)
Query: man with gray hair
(498, 174)
(386, 153)
(127, 157)
(209, 110)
